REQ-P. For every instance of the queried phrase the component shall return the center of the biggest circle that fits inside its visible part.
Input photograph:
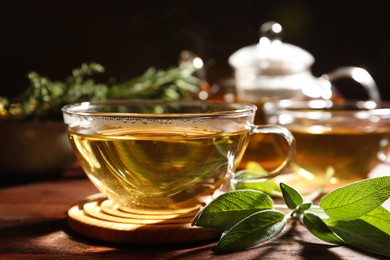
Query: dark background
(127, 37)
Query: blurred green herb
(352, 215)
(174, 83)
(44, 98)
(253, 170)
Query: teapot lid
(271, 55)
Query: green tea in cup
(336, 142)
(159, 156)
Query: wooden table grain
(33, 226)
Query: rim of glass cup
(221, 109)
(326, 107)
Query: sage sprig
(352, 215)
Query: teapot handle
(359, 75)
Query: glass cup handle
(241, 176)
(359, 75)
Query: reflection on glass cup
(336, 141)
(155, 156)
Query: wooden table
(33, 226)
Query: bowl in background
(34, 149)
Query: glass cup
(163, 156)
(337, 142)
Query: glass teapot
(272, 69)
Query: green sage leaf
(301, 209)
(380, 218)
(369, 233)
(292, 197)
(357, 199)
(245, 179)
(256, 228)
(231, 207)
(269, 187)
(255, 167)
(305, 206)
(318, 228)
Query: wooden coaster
(97, 217)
